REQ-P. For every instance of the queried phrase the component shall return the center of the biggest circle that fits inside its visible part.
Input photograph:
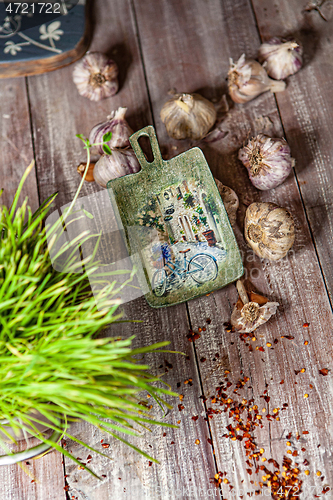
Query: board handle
(149, 132)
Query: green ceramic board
(175, 225)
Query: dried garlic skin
(90, 172)
(251, 315)
(119, 127)
(251, 309)
(188, 116)
(121, 162)
(267, 160)
(230, 200)
(247, 79)
(269, 230)
(96, 76)
(281, 58)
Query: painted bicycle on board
(201, 268)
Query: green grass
(51, 358)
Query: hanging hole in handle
(145, 145)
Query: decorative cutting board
(175, 225)
(36, 36)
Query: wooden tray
(175, 225)
(34, 41)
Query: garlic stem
(242, 292)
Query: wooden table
(186, 44)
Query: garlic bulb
(247, 79)
(281, 58)
(119, 127)
(251, 309)
(230, 200)
(95, 76)
(188, 116)
(268, 161)
(269, 230)
(120, 162)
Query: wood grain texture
(58, 113)
(306, 113)
(16, 151)
(195, 41)
(45, 478)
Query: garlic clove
(251, 309)
(96, 76)
(247, 79)
(119, 127)
(121, 162)
(188, 116)
(230, 200)
(269, 230)
(281, 58)
(268, 161)
(90, 173)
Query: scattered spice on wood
(192, 336)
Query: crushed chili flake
(181, 397)
(197, 441)
(305, 432)
(89, 457)
(282, 382)
(324, 371)
(306, 342)
(181, 407)
(195, 417)
(164, 434)
(192, 336)
(305, 325)
(208, 321)
(106, 445)
(202, 360)
(150, 463)
(172, 442)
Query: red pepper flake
(106, 445)
(202, 360)
(261, 349)
(305, 432)
(306, 342)
(210, 441)
(89, 457)
(66, 488)
(276, 341)
(208, 321)
(195, 418)
(192, 336)
(288, 337)
(324, 372)
(181, 407)
(164, 434)
(325, 490)
(102, 440)
(282, 382)
(150, 463)
(172, 442)
(305, 325)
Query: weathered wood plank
(58, 113)
(186, 45)
(16, 152)
(306, 113)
